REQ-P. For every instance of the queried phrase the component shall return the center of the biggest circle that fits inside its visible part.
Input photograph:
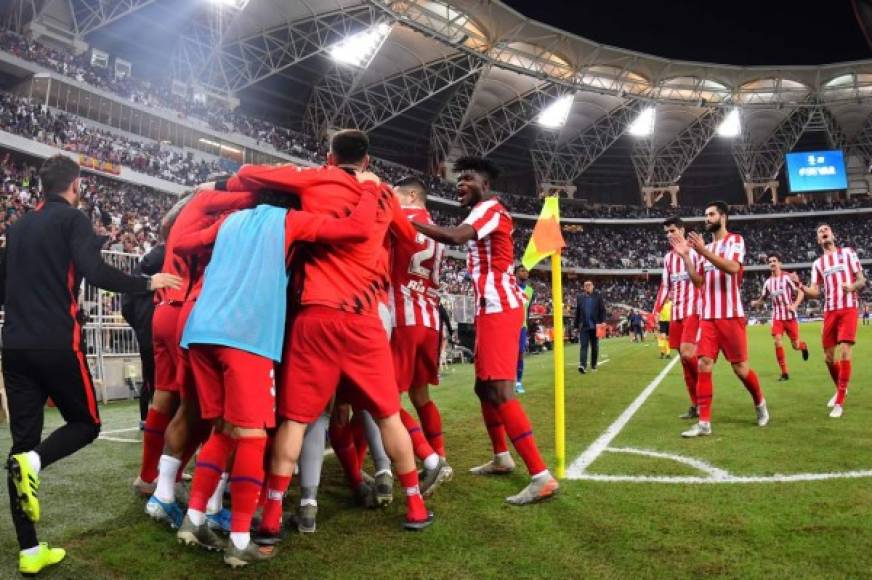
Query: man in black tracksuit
(48, 253)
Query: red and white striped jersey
(782, 293)
(490, 258)
(677, 286)
(722, 297)
(414, 298)
(830, 271)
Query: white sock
(305, 502)
(216, 502)
(197, 517)
(500, 457)
(35, 462)
(410, 491)
(167, 468)
(763, 402)
(31, 551)
(545, 474)
(388, 471)
(705, 423)
(431, 462)
(240, 539)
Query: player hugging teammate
(287, 272)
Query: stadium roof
(471, 76)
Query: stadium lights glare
(358, 49)
(554, 115)
(643, 125)
(237, 4)
(731, 126)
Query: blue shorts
(523, 345)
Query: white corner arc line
(712, 471)
(583, 461)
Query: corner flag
(548, 241)
(547, 238)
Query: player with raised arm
(836, 277)
(487, 231)
(722, 324)
(680, 284)
(414, 302)
(786, 297)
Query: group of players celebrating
(308, 305)
(703, 284)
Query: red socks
(276, 486)
(361, 444)
(246, 479)
(689, 367)
(704, 396)
(833, 367)
(419, 442)
(844, 379)
(342, 441)
(752, 383)
(495, 429)
(211, 463)
(520, 431)
(431, 421)
(152, 443)
(416, 510)
(779, 356)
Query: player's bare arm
(456, 236)
(697, 242)
(759, 302)
(800, 296)
(812, 291)
(682, 248)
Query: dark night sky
(742, 32)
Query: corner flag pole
(559, 367)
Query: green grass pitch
(594, 529)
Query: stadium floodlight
(236, 4)
(554, 115)
(643, 125)
(358, 49)
(731, 126)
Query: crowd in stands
(127, 216)
(21, 116)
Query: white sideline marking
(599, 363)
(580, 465)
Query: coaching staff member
(589, 311)
(48, 252)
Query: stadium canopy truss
(469, 77)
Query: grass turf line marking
(583, 461)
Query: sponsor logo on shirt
(679, 277)
(834, 269)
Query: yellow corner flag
(547, 240)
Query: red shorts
(416, 356)
(184, 374)
(685, 331)
(726, 335)
(327, 346)
(165, 344)
(234, 385)
(496, 345)
(788, 327)
(839, 326)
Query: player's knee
(741, 369)
(91, 431)
(705, 364)
(419, 396)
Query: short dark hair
(586, 281)
(415, 183)
(721, 206)
(775, 255)
(479, 165)
(57, 174)
(349, 145)
(673, 221)
(278, 199)
(817, 227)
